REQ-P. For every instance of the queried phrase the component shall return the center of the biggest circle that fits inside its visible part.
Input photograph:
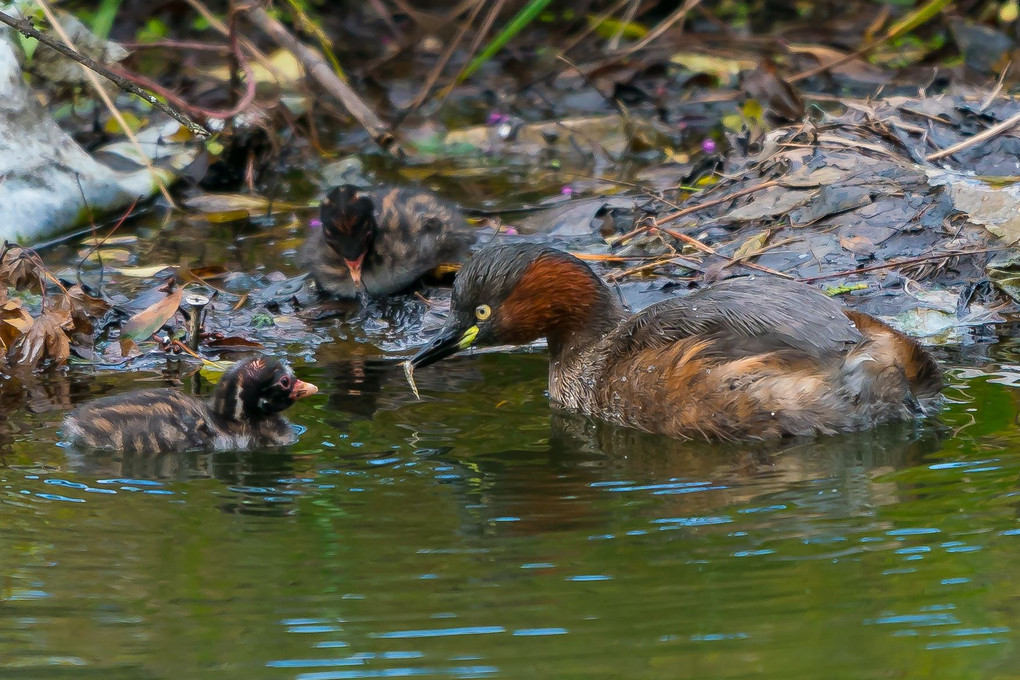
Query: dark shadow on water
(562, 489)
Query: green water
(475, 534)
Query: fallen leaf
(46, 339)
(234, 342)
(227, 207)
(105, 255)
(141, 272)
(15, 321)
(726, 70)
(993, 206)
(752, 246)
(84, 309)
(767, 86)
(284, 69)
(210, 271)
(98, 241)
(771, 203)
(607, 28)
(142, 325)
(856, 69)
(858, 245)
(21, 268)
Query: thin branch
(1013, 121)
(24, 26)
(678, 16)
(901, 263)
(317, 67)
(490, 18)
(628, 16)
(682, 212)
(691, 241)
(108, 102)
(444, 59)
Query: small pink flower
(510, 231)
(315, 223)
(496, 118)
(708, 145)
(567, 190)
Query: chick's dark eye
(285, 382)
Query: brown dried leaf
(752, 246)
(146, 322)
(21, 268)
(774, 93)
(228, 207)
(84, 308)
(46, 339)
(15, 321)
(857, 69)
(858, 245)
(234, 342)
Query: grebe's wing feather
(746, 314)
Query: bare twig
(490, 18)
(628, 16)
(444, 59)
(114, 111)
(895, 31)
(99, 242)
(385, 16)
(672, 259)
(24, 26)
(194, 109)
(667, 23)
(189, 45)
(1010, 122)
(317, 67)
(221, 28)
(691, 241)
(997, 90)
(682, 212)
(901, 263)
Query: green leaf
(153, 30)
(102, 22)
(607, 28)
(516, 25)
(146, 322)
(921, 15)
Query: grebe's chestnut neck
(518, 293)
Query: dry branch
(316, 66)
(24, 26)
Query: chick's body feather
(416, 232)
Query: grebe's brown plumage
(740, 359)
(244, 411)
(381, 242)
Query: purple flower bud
(495, 118)
(315, 223)
(708, 145)
(567, 190)
(510, 231)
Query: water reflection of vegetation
(479, 510)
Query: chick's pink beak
(355, 267)
(302, 389)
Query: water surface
(477, 534)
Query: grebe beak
(447, 343)
(302, 389)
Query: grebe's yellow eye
(483, 312)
